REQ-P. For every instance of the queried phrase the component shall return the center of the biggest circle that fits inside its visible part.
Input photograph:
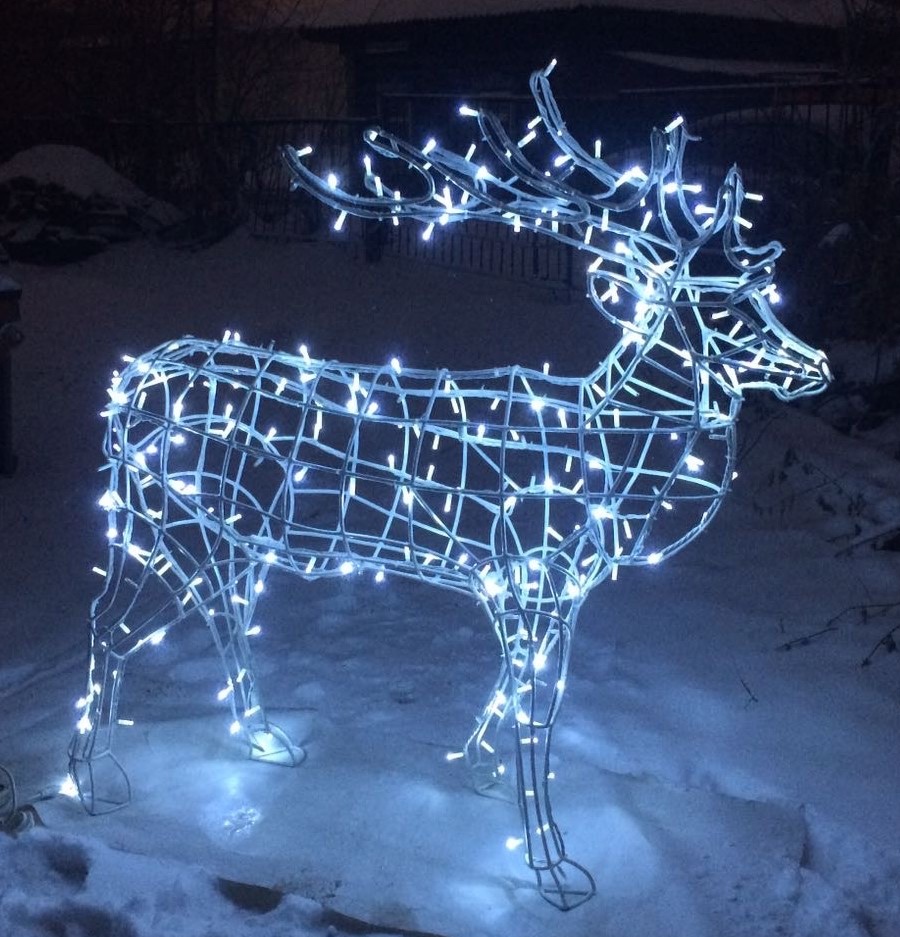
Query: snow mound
(62, 203)
(84, 175)
(66, 885)
(72, 168)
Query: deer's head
(666, 268)
(704, 291)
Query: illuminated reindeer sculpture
(521, 489)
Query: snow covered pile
(79, 886)
(62, 203)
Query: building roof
(342, 14)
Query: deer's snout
(812, 376)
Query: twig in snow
(867, 610)
(805, 638)
(890, 529)
(887, 641)
(752, 696)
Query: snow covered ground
(714, 784)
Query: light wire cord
(13, 819)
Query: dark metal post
(10, 336)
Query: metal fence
(773, 130)
(484, 247)
(796, 140)
(272, 209)
(799, 143)
(203, 168)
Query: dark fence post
(10, 336)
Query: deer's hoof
(273, 745)
(489, 781)
(566, 885)
(101, 782)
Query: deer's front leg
(539, 655)
(483, 747)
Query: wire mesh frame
(521, 488)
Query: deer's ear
(610, 299)
(617, 302)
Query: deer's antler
(649, 209)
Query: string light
(541, 488)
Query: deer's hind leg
(143, 595)
(183, 571)
(99, 777)
(235, 585)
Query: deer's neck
(655, 377)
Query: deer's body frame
(521, 489)
(557, 520)
(453, 456)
